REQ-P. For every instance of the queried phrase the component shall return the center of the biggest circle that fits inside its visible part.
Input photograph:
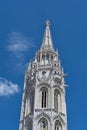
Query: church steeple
(43, 103)
(47, 39)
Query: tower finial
(47, 23)
(47, 39)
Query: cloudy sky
(21, 32)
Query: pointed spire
(47, 39)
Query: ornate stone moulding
(58, 87)
(43, 115)
(58, 117)
(44, 109)
(44, 84)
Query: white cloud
(7, 87)
(18, 44)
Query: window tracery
(44, 97)
(58, 125)
(43, 124)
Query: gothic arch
(44, 84)
(44, 88)
(58, 117)
(57, 100)
(57, 125)
(43, 124)
(44, 97)
(43, 115)
(59, 88)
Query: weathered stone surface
(43, 102)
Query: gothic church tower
(43, 102)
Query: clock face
(46, 74)
(57, 80)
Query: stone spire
(43, 102)
(47, 39)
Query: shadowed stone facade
(43, 102)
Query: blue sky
(21, 32)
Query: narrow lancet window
(47, 57)
(57, 102)
(44, 98)
(44, 95)
(43, 57)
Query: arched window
(43, 57)
(57, 100)
(58, 125)
(43, 124)
(47, 57)
(44, 96)
(51, 57)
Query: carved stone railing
(48, 66)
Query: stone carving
(44, 90)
